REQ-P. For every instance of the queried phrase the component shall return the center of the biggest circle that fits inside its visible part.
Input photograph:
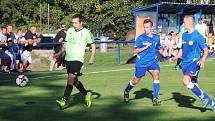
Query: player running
(76, 40)
(146, 46)
(194, 53)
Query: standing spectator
(201, 27)
(60, 37)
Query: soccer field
(36, 102)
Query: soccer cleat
(156, 102)
(88, 99)
(204, 102)
(177, 67)
(61, 103)
(213, 109)
(126, 97)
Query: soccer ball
(21, 80)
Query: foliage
(102, 16)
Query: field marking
(95, 72)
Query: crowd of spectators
(15, 48)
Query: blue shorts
(141, 71)
(192, 70)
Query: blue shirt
(149, 56)
(192, 46)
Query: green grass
(36, 102)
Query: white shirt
(201, 28)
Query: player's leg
(178, 66)
(81, 88)
(73, 68)
(128, 88)
(156, 84)
(204, 96)
(67, 92)
(52, 64)
(187, 81)
(190, 81)
(139, 73)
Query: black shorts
(74, 67)
(57, 48)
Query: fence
(117, 44)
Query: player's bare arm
(204, 56)
(93, 53)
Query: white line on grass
(95, 72)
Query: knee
(71, 79)
(187, 82)
(156, 77)
(135, 81)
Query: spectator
(31, 40)
(19, 37)
(6, 59)
(26, 59)
(3, 37)
(15, 49)
(210, 41)
(201, 27)
(10, 35)
(60, 37)
(31, 37)
(212, 51)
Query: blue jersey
(192, 46)
(149, 56)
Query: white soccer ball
(22, 80)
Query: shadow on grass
(185, 101)
(143, 93)
(80, 98)
(116, 111)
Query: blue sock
(129, 87)
(202, 95)
(156, 88)
(195, 89)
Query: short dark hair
(18, 30)
(3, 27)
(79, 16)
(148, 21)
(9, 25)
